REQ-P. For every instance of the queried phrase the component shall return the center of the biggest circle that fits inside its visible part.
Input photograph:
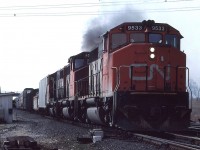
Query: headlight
(152, 56)
(152, 49)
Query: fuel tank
(96, 115)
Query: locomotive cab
(154, 47)
(78, 74)
(74, 107)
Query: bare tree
(195, 89)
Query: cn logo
(151, 69)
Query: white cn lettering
(151, 72)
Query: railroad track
(167, 143)
(162, 140)
(194, 130)
(189, 139)
(169, 140)
(166, 140)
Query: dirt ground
(52, 134)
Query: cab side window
(79, 63)
(171, 40)
(118, 39)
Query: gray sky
(38, 36)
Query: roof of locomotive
(145, 25)
(80, 55)
(122, 26)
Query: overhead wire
(67, 5)
(175, 9)
(102, 13)
(87, 4)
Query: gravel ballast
(53, 134)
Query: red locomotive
(135, 79)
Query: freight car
(135, 80)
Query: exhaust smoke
(105, 22)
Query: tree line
(194, 89)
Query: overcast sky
(38, 36)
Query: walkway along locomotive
(135, 79)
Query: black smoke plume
(104, 23)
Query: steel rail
(168, 143)
(193, 140)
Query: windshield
(118, 39)
(137, 37)
(155, 38)
(79, 63)
(171, 40)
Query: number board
(159, 28)
(140, 27)
(135, 27)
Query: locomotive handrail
(188, 75)
(116, 78)
(188, 82)
(177, 68)
(96, 75)
(85, 78)
(131, 68)
(176, 86)
(168, 66)
(76, 84)
(125, 66)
